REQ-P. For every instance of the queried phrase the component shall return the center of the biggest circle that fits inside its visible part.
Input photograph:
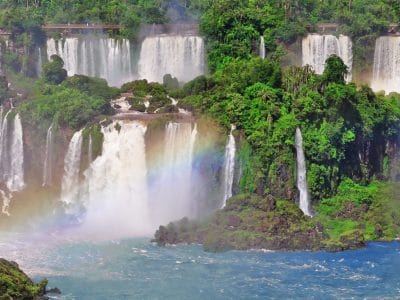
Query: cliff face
(15, 284)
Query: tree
(335, 70)
(53, 71)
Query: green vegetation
(338, 121)
(15, 284)
(53, 71)
(355, 215)
(348, 130)
(232, 26)
(75, 102)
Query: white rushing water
(318, 48)
(116, 196)
(180, 56)
(15, 181)
(302, 175)
(12, 153)
(133, 187)
(70, 180)
(48, 159)
(6, 199)
(173, 186)
(386, 71)
(95, 56)
(262, 47)
(90, 150)
(229, 168)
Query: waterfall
(70, 180)
(15, 180)
(229, 171)
(6, 202)
(48, 160)
(12, 153)
(318, 48)
(117, 193)
(262, 47)
(4, 149)
(302, 175)
(180, 56)
(39, 64)
(6, 198)
(97, 57)
(90, 150)
(1, 62)
(386, 71)
(173, 186)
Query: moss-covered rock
(247, 222)
(15, 284)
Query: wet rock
(54, 291)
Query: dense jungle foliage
(349, 131)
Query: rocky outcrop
(248, 222)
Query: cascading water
(173, 187)
(12, 153)
(4, 149)
(48, 160)
(318, 48)
(70, 180)
(90, 150)
(180, 56)
(386, 71)
(116, 198)
(302, 175)
(6, 198)
(229, 171)
(15, 181)
(97, 56)
(262, 47)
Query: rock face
(250, 222)
(15, 284)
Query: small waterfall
(12, 153)
(117, 199)
(318, 48)
(4, 149)
(229, 171)
(302, 175)
(1, 62)
(97, 57)
(15, 181)
(48, 160)
(6, 198)
(90, 150)
(173, 186)
(262, 47)
(39, 65)
(70, 180)
(386, 71)
(180, 56)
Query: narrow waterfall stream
(229, 168)
(49, 158)
(302, 175)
